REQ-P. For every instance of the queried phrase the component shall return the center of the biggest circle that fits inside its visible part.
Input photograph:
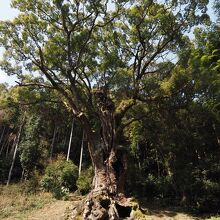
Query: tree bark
(106, 199)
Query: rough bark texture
(106, 200)
(99, 206)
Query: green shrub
(84, 181)
(60, 178)
(32, 185)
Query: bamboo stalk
(70, 141)
(15, 152)
(81, 155)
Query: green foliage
(138, 214)
(160, 187)
(84, 181)
(30, 147)
(32, 185)
(135, 136)
(169, 107)
(60, 177)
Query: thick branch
(122, 110)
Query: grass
(15, 203)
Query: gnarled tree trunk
(106, 199)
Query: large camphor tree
(99, 56)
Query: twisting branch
(156, 53)
(40, 85)
(39, 102)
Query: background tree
(176, 144)
(30, 147)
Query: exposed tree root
(101, 206)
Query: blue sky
(6, 12)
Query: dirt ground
(57, 209)
(54, 211)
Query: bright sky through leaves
(6, 12)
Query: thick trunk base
(101, 206)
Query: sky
(6, 12)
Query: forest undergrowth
(16, 203)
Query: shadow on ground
(160, 209)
